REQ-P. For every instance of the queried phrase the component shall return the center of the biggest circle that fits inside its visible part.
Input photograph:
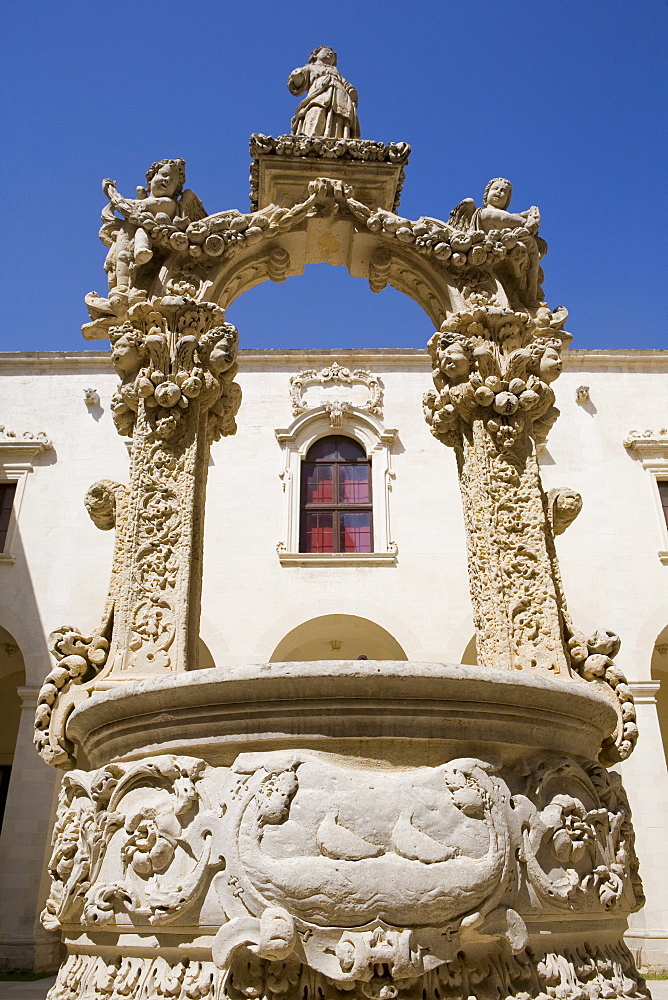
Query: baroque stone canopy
(380, 829)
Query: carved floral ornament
(343, 381)
(157, 840)
(178, 253)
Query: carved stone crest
(337, 389)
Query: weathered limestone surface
(387, 828)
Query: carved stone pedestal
(344, 829)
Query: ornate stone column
(177, 360)
(494, 405)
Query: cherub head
(218, 348)
(454, 358)
(166, 178)
(546, 360)
(498, 193)
(128, 352)
(323, 53)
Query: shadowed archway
(337, 637)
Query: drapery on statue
(129, 239)
(494, 217)
(329, 108)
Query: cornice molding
(575, 360)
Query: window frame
(377, 441)
(652, 451)
(337, 506)
(17, 455)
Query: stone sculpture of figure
(495, 217)
(129, 238)
(329, 108)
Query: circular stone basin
(403, 712)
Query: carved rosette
(427, 887)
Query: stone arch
(659, 672)
(407, 272)
(319, 222)
(29, 637)
(12, 679)
(337, 637)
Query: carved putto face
(550, 365)
(454, 362)
(165, 181)
(224, 351)
(498, 192)
(126, 356)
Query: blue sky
(568, 99)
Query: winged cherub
(495, 217)
(163, 202)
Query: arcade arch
(337, 637)
(12, 677)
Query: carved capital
(495, 365)
(169, 353)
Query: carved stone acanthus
(426, 876)
(172, 354)
(590, 969)
(340, 380)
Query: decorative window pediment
(377, 441)
(651, 448)
(338, 390)
(17, 455)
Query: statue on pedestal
(329, 108)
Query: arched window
(336, 497)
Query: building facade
(333, 530)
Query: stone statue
(329, 108)
(495, 219)
(130, 239)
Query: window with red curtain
(7, 491)
(336, 497)
(663, 494)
